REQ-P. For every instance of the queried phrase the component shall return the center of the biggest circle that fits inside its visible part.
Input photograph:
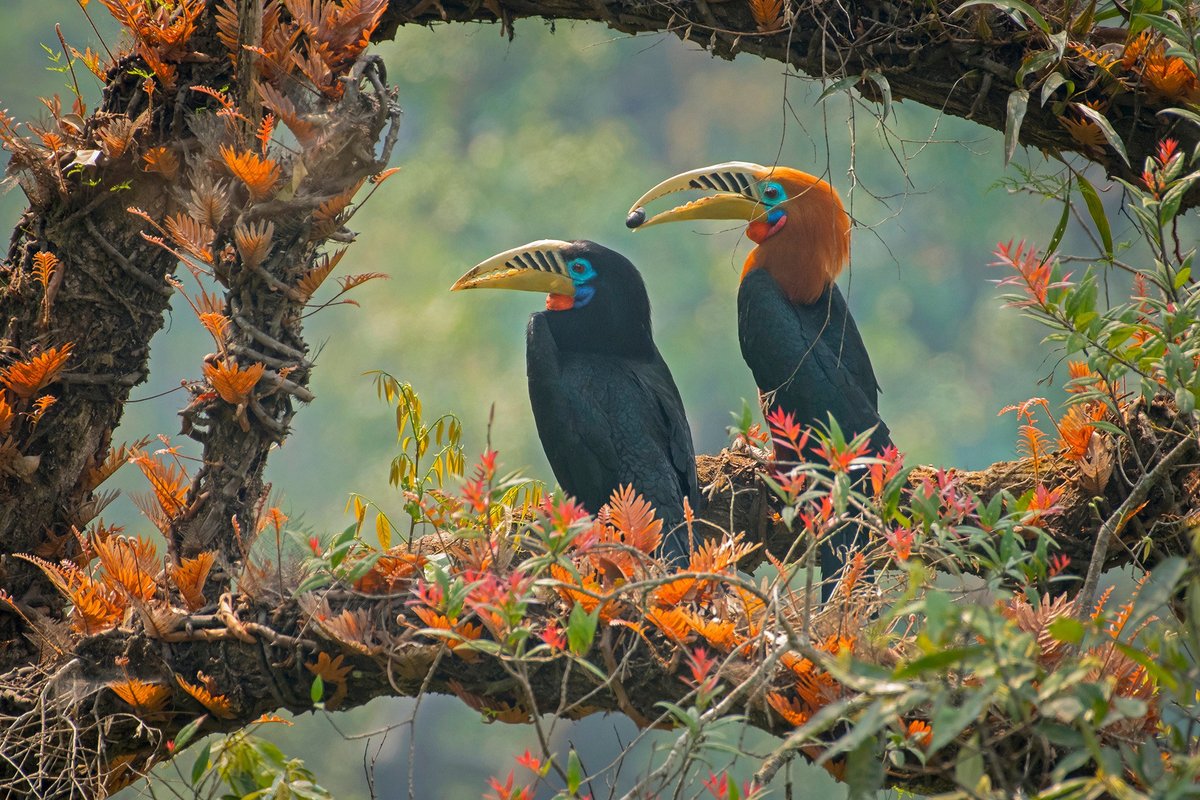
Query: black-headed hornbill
(795, 330)
(607, 410)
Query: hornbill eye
(771, 193)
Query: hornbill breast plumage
(606, 407)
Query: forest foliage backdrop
(552, 135)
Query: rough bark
(964, 65)
(110, 296)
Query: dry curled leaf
(218, 705)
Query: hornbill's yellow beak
(736, 184)
(535, 267)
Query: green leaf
(1009, 5)
(839, 85)
(317, 690)
(936, 661)
(864, 771)
(574, 773)
(188, 731)
(885, 90)
(949, 721)
(1063, 220)
(1158, 590)
(1067, 630)
(1096, 209)
(1050, 86)
(1105, 127)
(1182, 113)
(1018, 102)
(581, 629)
(201, 765)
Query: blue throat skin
(774, 215)
(583, 294)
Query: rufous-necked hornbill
(607, 410)
(795, 330)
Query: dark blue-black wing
(606, 421)
(809, 360)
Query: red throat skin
(810, 244)
(559, 302)
(759, 230)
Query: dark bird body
(795, 330)
(809, 359)
(606, 421)
(607, 410)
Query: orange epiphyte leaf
(920, 730)
(189, 578)
(1075, 431)
(254, 241)
(585, 591)
(312, 280)
(208, 201)
(1169, 76)
(27, 378)
(265, 130)
(231, 382)
(7, 415)
(217, 704)
(217, 325)
(854, 571)
(349, 282)
(633, 516)
(380, 177)
(272, 718)
(1137, 48)
(52, 141)
(1084, 131)
(389, 570)
(91, 60)
(721, 634)
(168, 481)
(40, 407)
(221, 97)
(719, 556)
(788, 708)
(259, 174)
(330, 210)
(44, 265)
(161, 160)
(194, 237)
(130, 563)
(94, 607)
(146, 697)
(274, 517)
(116, 136)
(676, 591)
(673, 622)
(285, 110)
(768, 14)
(332, 672)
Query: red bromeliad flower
(786, 432)
(701, 664)
(1167, 150)
(839, 460)
(530, 761)
(901, 540)
(1033, 276)
(1058, 563)
(554, 636)
(563, 512)
(892, 461)
(505, 791)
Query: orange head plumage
(797, 220)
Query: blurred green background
(553, 136)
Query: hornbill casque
(607, 410)
(795, 330)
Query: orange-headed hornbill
(795, 330)
(606, 407)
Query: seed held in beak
(635, 218)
